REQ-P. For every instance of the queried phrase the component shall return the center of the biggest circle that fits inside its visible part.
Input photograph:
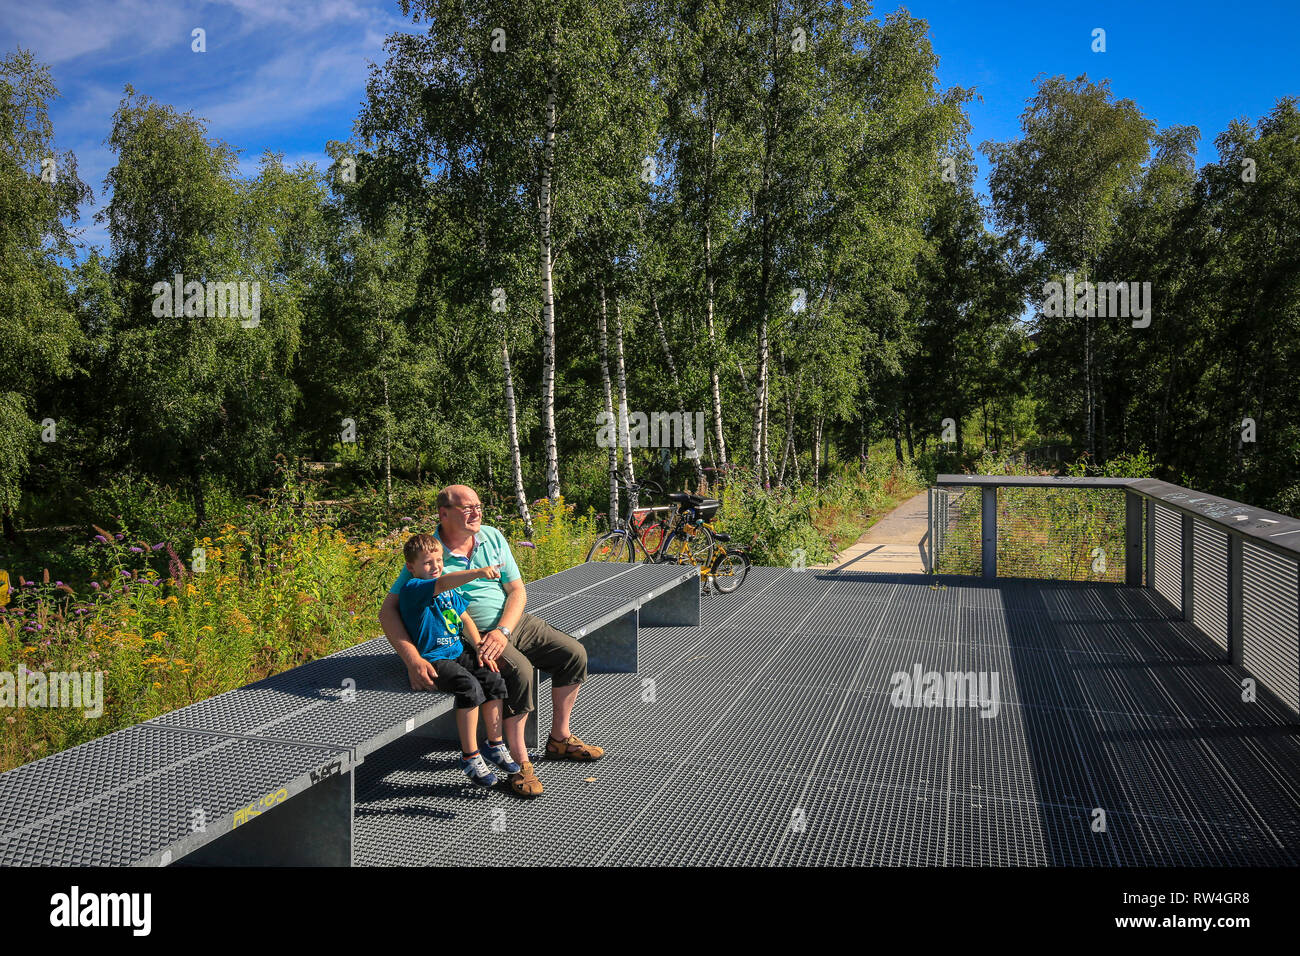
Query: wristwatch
(504, 630)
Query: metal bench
(262, 775)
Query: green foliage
(561, 538)
(39, 189)
(780, 526)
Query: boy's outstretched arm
(454, 579)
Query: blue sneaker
(499, 754)
(477, 770)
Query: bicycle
(684, 531)
(691, 537)
(728, 568)
(706, 548)
(636, 531)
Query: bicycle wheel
(730, 570)
(611, 546)
(696, 549)
(652, 536)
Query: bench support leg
(679, 607)
(313, 828)
(612, 649)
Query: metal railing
(1230, 570)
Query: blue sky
(288, 76)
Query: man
(517, 640)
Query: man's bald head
(457, 496)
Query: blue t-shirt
(485, 598)
(433, 621)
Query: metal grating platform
(132, 797)
(769, 735)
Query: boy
(436, 618)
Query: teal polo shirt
(486, 598)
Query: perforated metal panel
(581, 612)
(1210, 592)
(581, 576)
(1271, 628)
(1169, 555)
(955, 530)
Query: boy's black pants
(471, 683)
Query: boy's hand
(422, 674)
(492, 572)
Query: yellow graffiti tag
(254, 809)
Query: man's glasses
(471, 510)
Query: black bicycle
(643, 530)
(645, 535)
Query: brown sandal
(572, 749)
(525, 782)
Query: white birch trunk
(512, 423)
(548, 296)
(603, 328)
(624, 437)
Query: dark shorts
(471, 683)
(534, 644)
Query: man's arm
(470, 636)
(494, 642)
(422, 673)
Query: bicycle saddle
(719, 536)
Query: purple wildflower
(136, 550)
(119, 536)
(174, 565)
(125, 574)
(101, 539)
(159, 546)
(527, 544)
(94, 585)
